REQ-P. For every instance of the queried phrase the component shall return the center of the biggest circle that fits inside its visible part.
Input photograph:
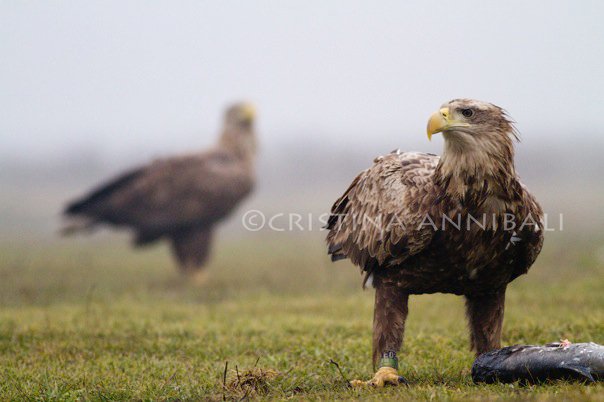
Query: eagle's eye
(467, 112)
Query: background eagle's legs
(389, 316)
(191, 247)
(485, 319)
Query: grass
(93, 320)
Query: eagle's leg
(389, 315)
(485, 319)
(191, 248)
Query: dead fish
(533, 364)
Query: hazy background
(90, 88)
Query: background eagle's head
(238, 132)
(240, 115)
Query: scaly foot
(384, 376)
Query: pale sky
(123, 76)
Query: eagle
(462, 223)
(181, 198)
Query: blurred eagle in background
(180, 199)
(462, 223)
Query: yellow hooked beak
(249, 111)
(441, 121)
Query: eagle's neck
(478, 173)
(241, 142)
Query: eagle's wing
(381, 216)
(170, 193)
(531, 234)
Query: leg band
(388, 359)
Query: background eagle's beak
(249, 111)
(438, 122)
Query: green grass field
(91, 319)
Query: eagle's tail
(335, 252)
(76, 225)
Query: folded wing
(381, 218)
(169, 194)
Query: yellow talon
(384, 376)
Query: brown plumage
(416, 223)
(180, 198)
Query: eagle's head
(471, 123)
(240, 115)
(479, 141)
(238, 132)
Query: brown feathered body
(179, 198)
(398, 220)
(462, 223)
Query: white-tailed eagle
(462, 223)
(181, 198)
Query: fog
(154, 76)
(90, 88)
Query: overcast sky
(123, 76)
